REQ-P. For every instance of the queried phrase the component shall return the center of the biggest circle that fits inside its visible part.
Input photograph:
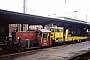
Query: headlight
(18, 38)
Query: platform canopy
(15, 17)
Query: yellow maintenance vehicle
(59, 35)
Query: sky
(51, 8)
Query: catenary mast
(24, 6)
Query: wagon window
(44, 35)
(52, 29)
(61, 30)
(58, 30)
(39, 34)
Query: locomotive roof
(44, 30)
(57, 27)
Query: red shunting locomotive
(30, 39)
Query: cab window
(61, 30)
(58, 30)
(52, 29)
(39, 34)
(44, 35)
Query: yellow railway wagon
(58, 35)
(74, 38)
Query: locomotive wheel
(1, 49)
(18, 48)
(73, 41)
(83, 40)
(79, 40)
(10, 47)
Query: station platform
(64, 52)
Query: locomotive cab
(57, 34)
(44, 38)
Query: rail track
(11, 56)
(15, 55)
(7, 55)
(4, 52)
(85, 56)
